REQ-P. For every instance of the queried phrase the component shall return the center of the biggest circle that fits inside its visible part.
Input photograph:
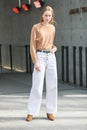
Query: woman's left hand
(53, 50)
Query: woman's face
(47, 16)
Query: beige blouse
(42, 37)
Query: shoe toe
(50, 116)
(29, 118)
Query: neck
(45, 23)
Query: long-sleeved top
(42, 38)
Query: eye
(47, 15)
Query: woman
(42, 51)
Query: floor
(14, 94)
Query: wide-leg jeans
(48, 71)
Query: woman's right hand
(37, 66)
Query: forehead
(47, 12)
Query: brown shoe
(50, 117)
(29, 118)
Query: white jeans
(48, 68)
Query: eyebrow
(47, 15)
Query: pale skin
(47, 15)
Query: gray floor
(14, 93)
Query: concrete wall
(71, 31)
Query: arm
(54, 48)
(33, 45)
(33, 49)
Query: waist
(44, 51)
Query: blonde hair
(47, 8)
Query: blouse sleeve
(33, 45)
(54, 38)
